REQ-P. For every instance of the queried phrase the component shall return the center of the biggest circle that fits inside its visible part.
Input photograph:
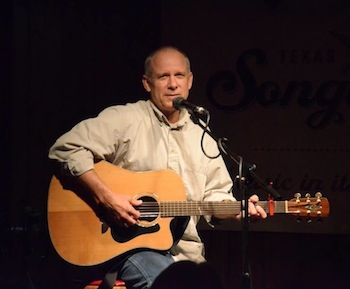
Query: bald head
(148, 61)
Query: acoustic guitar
(80, 237)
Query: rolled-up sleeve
(86, 143)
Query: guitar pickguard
(122, 235)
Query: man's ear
(190, 81)
(146, 83)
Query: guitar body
(81, 238)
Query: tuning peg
(318, 195)
(297, 196)
(319, 217)
(307, 196)
(308, 212)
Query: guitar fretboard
(200, 208)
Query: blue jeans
(141, 268)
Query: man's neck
(173, 117)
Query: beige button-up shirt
(138, 137)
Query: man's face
(170, 78)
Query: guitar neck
(201, 208)
(308, 207)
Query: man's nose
(172, 82)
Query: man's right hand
(114, 208)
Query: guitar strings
(200, 208)
(183, 208)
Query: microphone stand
(245, 170)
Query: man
(150, 135)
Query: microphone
(180, 103)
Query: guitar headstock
(309, 207)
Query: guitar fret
(279, 206)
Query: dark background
(64, 61)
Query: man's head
(167, 76)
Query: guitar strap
(110, 277)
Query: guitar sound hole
(149, 209)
